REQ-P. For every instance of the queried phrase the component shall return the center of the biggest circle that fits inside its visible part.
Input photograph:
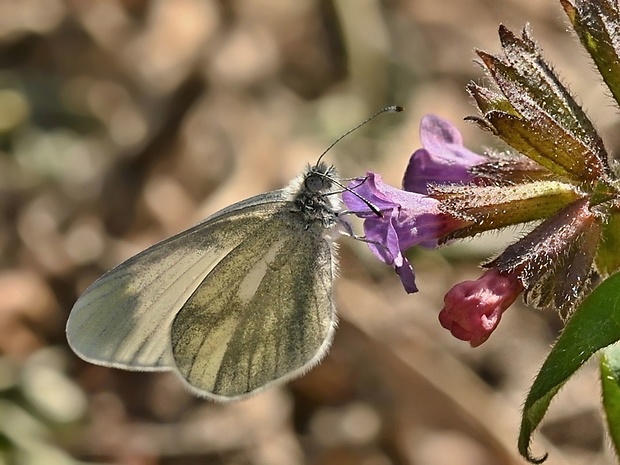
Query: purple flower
(443, 160)
(472, 309)
(406, 219)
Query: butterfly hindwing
(264, 313)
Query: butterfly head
(312, 194)
(319, 178)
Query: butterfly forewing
(123, 319)
(263, 314)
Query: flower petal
(443, 160)
(386, 246)
(407, 219)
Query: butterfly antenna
(373, 207)
(390, 109)
(370, 205)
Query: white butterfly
(239, 302)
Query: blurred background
(125, 121)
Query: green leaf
(594, 326)
(494, 207)
(610, 382)
(608, 258)
(546, 143)
(598, 24)
(546, 107)
(488, 100)
(532, 86)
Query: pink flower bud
(472, 309)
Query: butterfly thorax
(313, 197)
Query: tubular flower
(406, 219)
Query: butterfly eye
(315, 183)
